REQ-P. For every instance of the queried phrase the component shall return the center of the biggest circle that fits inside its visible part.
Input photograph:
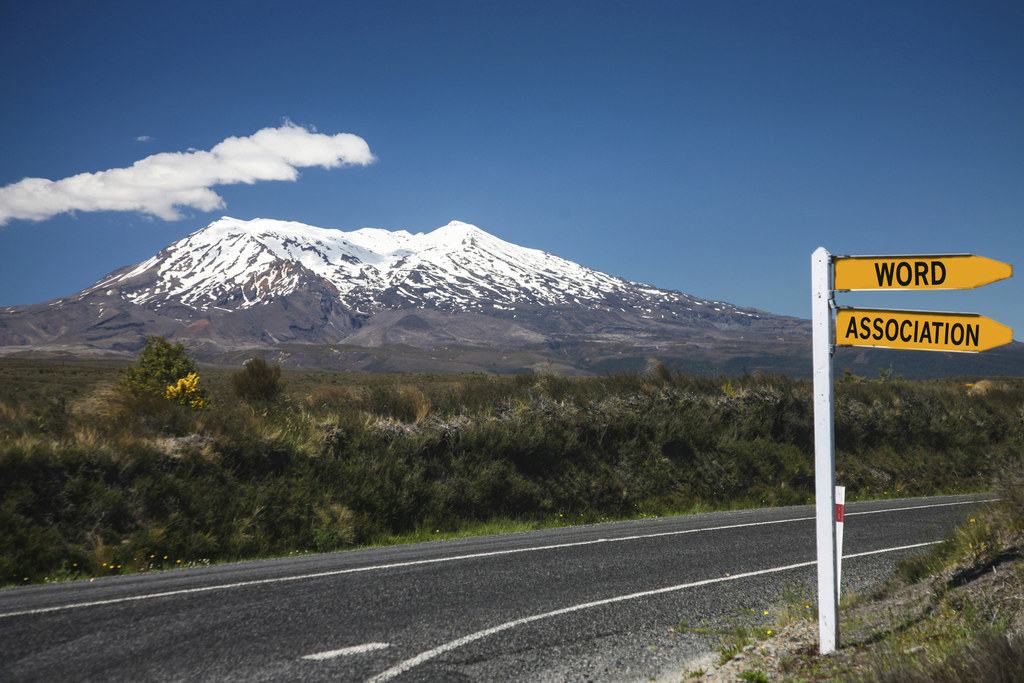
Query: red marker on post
(840, 512)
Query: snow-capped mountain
(233, 264)
(239, 284)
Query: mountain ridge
(455, 267)
(258, 286)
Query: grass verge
(955, 613)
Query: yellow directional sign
(960, 271)
(919, 330)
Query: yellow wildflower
(186, 392)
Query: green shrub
(160, 365)
(259, 382)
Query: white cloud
(161, 184)
(143, 138)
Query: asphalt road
(595, 602)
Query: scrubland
(96, 480)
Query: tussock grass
(970, 625)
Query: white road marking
(346, 651)
(456, 558)
(922, 507)
(413, 662)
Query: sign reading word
(919, 330)
(961, 271)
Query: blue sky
(708, 147)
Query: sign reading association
(966, 332)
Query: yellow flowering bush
(186, 392)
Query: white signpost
(893, 329)
(824, 450)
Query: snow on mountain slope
(234, 264)
(236, 286)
